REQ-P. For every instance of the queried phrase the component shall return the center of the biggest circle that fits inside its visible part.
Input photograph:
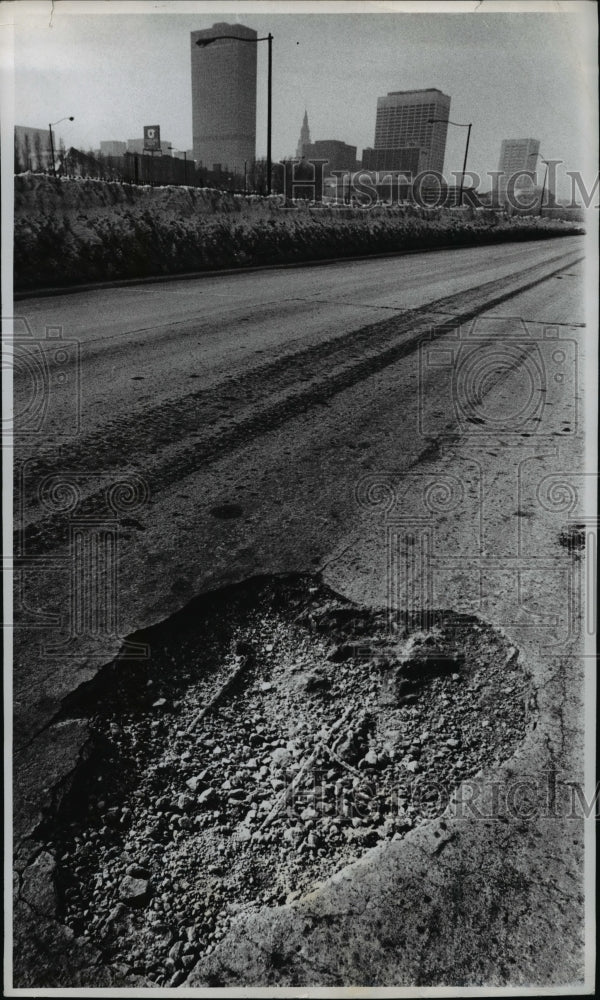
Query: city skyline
(503, 93)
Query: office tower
(516, 157)
(304, 139)
(224, 98)
(403, 122)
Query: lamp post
(531, 155)
(433, 121)
(69, 118)
(203, 42)
(544, 185)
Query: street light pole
(535, 155)
(203, 42)
(66, 118)
(464, 169)
(543, 186)
(469, 126)
(52, 152)
(269, 103)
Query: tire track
(257, 402)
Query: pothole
(276, 733)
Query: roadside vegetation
(71, 232)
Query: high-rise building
(403, 121)
(517, 156)
(304, 139)
(224, 97)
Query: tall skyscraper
(304, 139)
(403, 123)
(516, 157)
(224, 98)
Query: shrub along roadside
(61, 251)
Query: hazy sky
(510, 74)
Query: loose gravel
(275, 734)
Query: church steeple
(304, 136)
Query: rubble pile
(261, 749)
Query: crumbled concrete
(247, 791)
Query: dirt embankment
(70, 232)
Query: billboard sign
(151, 138)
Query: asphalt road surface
(141, 347)
(269, 395)
(210, 430)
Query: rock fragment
(135, 891)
